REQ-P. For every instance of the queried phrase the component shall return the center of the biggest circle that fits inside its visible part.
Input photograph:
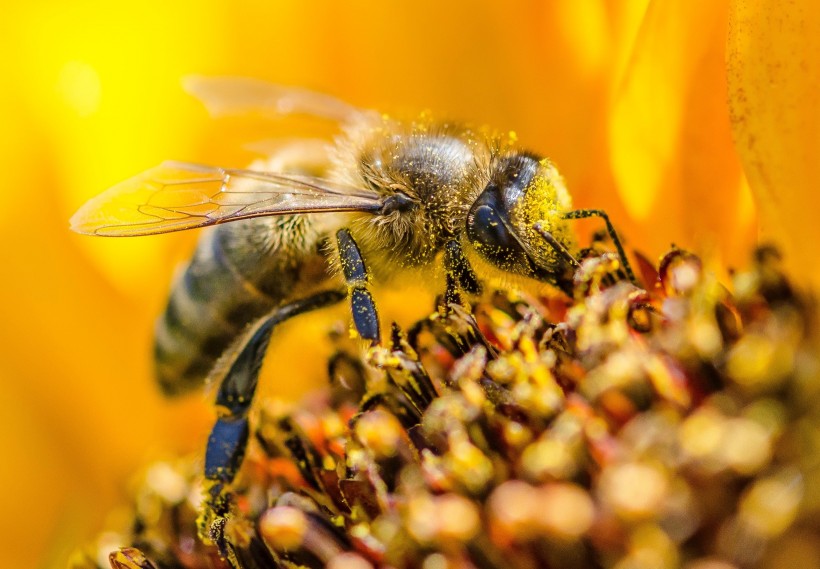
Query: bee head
(523, 190)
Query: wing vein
(177, 195)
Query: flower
(671, 426)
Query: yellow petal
(774, 82)
(672, 154)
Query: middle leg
(365, 316)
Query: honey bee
(439, 201)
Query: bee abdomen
(231, 281)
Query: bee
(440, 202)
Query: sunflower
(647, 110)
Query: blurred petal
(774, 82)
(670, 138)
(92, 96)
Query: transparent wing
(235, 95)
(176, 196)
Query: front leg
(460, 275)
(365, 316)
(585, 213)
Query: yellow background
(628, 97)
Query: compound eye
(485, 228)
(489, 232)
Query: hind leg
(229, 436)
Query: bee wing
(236, 95)
(176, 196)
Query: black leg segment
(229, 437)
(351, 258)
(584, 213)
(365, 316)
(239, 384)
(456, 264)
(226, 448)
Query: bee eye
(486, 228)
(495, 225)
(489, 232)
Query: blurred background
(628, 97)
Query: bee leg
(365, 316)
(584, 213)
(460, 275)
(229, 437)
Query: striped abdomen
(239, 272)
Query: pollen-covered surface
(545, 201)
(676, 425)
(440, 166)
